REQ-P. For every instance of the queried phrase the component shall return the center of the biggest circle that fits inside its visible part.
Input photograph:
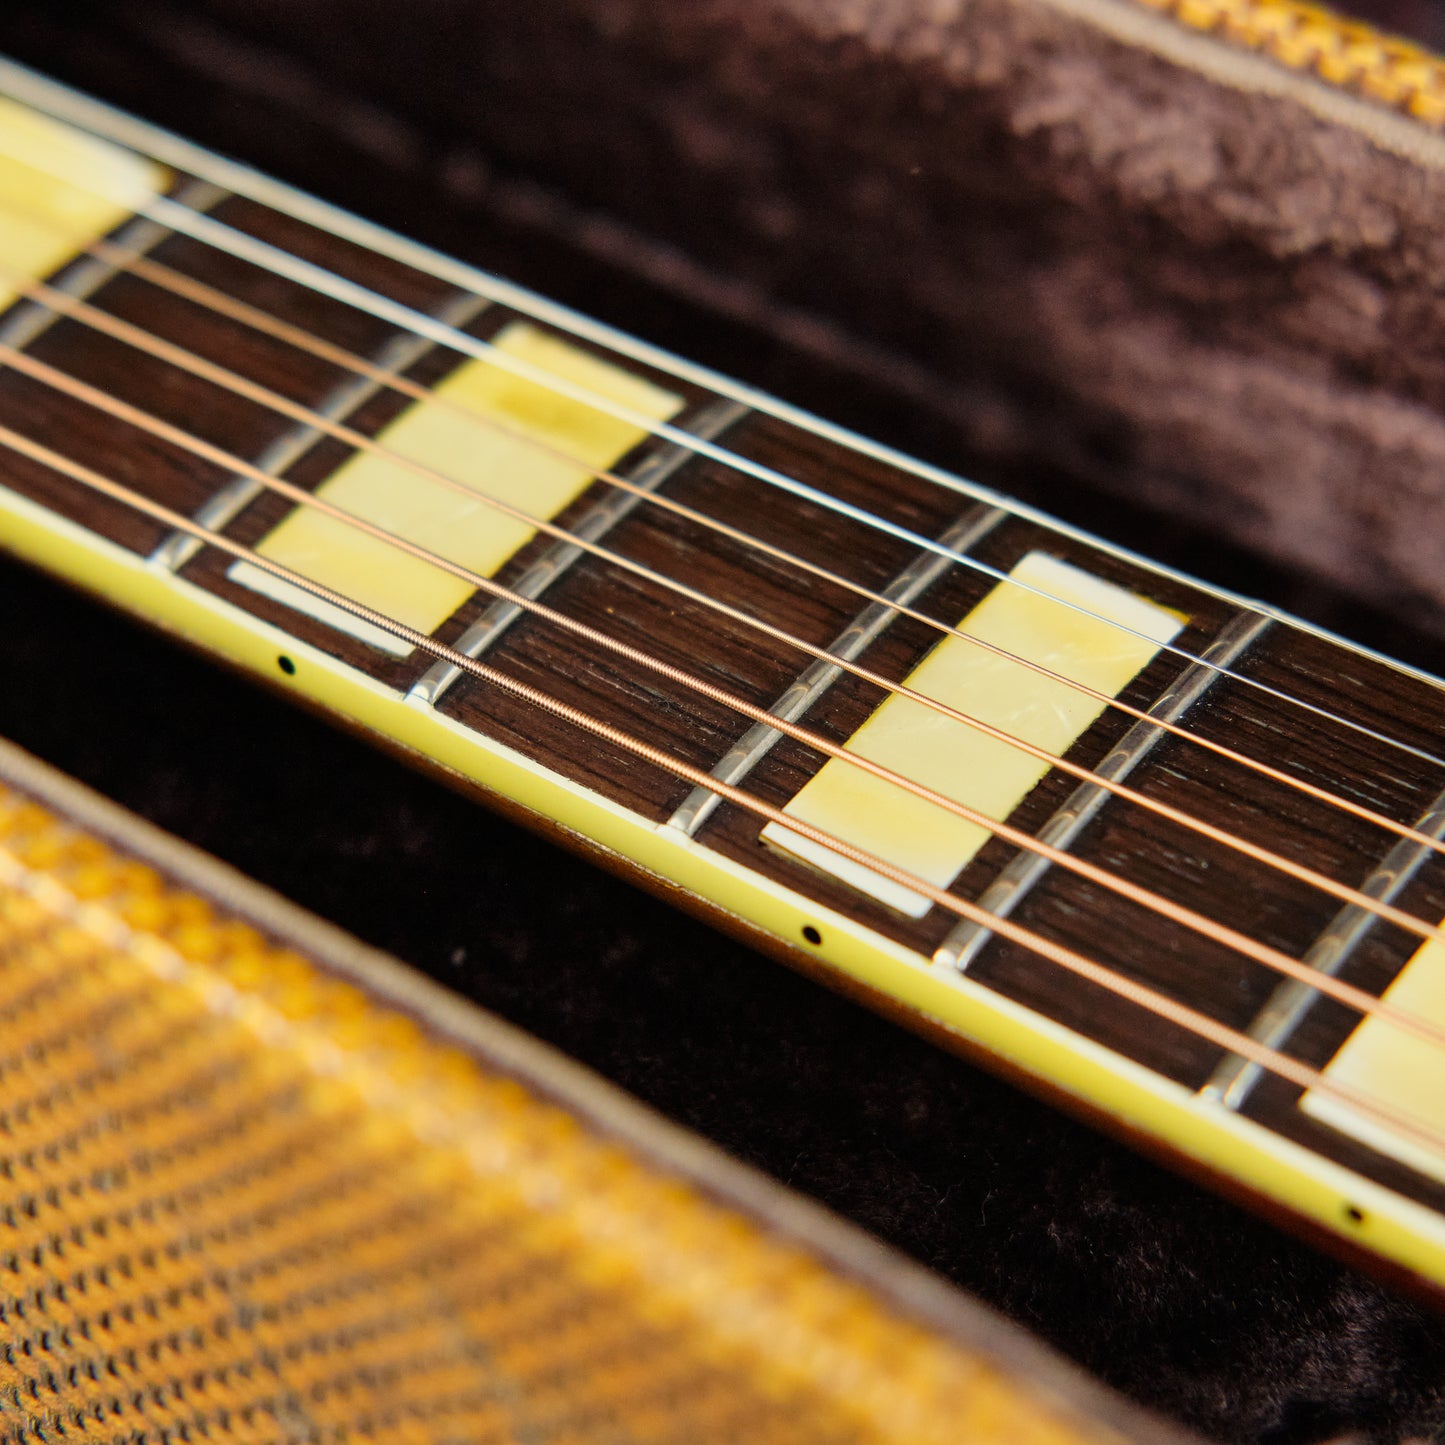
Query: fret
(649, 474)
(1205, 874)
(161, 389)
(1280, 1018)
(790, 766)
(815, 680)
(402, 352)
(1395, 1067)
(704, 630)
(1026, 870)
(60, 191)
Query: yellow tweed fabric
(1345, 53)
(242, 1201)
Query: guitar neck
(1147, 845)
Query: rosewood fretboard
(787, 596)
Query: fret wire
(1109, 701)
(189, 441)
(245, 247)
(1026, 870)
(561, 556)
(205, 295)
(221, 376)
(1161, 1005)
(805, 690)
(47, 96)
(404, 350)
(1236, 1078)
(1186, 917)
(262, 254)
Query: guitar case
(1147, 270)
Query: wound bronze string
(177, 283)
(132, 335)
(349, 292)
(1160, 1005)
(1352, 997)
(243, 246)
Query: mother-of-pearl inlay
(1063, 619)
(504, 437)
(60, 189)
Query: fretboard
(1141, 842)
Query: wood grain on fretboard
(1241, 708)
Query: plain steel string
(1357, 999)
(191, 289)
(221, 376)
(161, 145)
(310, 276)
(1314, 878)
(202, 294)
(243, 246)
(1161, 1005)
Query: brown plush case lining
(1096, 260)
(1104, 267)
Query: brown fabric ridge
(1212, 301)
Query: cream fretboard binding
(1142, 840)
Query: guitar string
(221, 376)
(129, 334)
(90, 315)
(1273, 959)
(243, 246)
(187, 287)
(1161, 1005)
(1361, 895)
(142, 138)
(1286, 620)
